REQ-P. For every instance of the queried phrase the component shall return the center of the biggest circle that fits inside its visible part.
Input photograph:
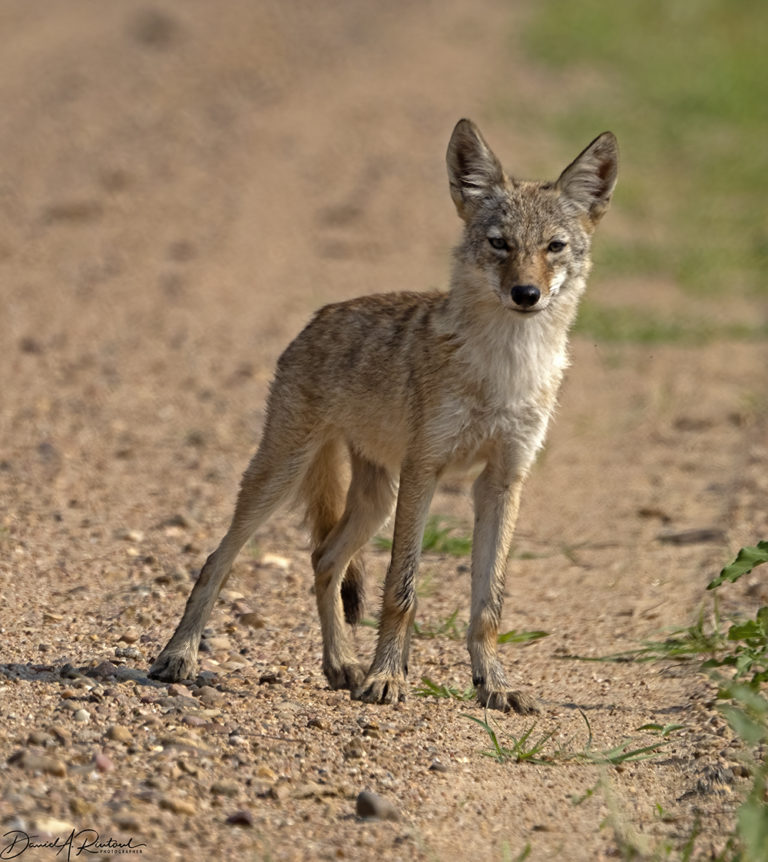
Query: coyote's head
(527, 241)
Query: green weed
(439, 538)
(527, 749)
(429, 688)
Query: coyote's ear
(473, 169)
(589, 180)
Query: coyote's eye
(499, 243)
(556, 245)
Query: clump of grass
(529, 749)
(450, 628)
(429, 688)
(440, 537)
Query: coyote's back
(404, 386)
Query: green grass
(684, 86)
(440, 537)
(528, 748)
(621, 324)
(429, 688)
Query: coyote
(402, 387)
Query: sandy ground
(181, 185)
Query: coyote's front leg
(496, 503)
(386, 680)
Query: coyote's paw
(382, 688)
(507, 701)
(173, 666)
(348, 674)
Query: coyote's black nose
(525, 295)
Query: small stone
(276, 561)
(103, 670)
(118, 733)
(266, 773)
(52, 826)
(252, 620)
(216, 644)
(177, 806)
(37, 737)
(81, 715)
(225, 788)
(130, 636)
(311, 789)
(61, 735)
(209, 695)
(128, 822)
(318, 723)
(103, 763)
(438, 766)
(79, 807)
(280, 791)
(240, 818)
(52, 618)
(178, 690)
(194, 720)
(354, 750)
(371, 806)
(31, 762)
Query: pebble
(275, 560)
(60, 734)
(179, 690)
(371, 806)
(31, 762)
(354, 750)
(130, 636)
(216, 644)
(81, 715)
(225, 788)
(79, 807)
(266, 773)
(103, 763)
(280, 791)
(177, 806)
(240, 818)
(103, 669)
(118, 733)
(252, 619)
(52, 826)
(209, 695)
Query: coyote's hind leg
(370, 500)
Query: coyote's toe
(173, 667)
(347, 675)
(508, 701)
(381, 688)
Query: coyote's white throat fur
(403, 387)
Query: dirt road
(181, 185)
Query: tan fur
(403, 387)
